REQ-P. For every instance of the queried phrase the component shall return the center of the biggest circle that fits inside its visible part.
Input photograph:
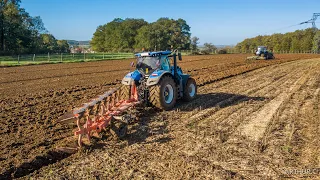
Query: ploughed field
(250, 120)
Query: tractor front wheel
(164, 94)
(190, 91)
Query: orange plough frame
(99, 112)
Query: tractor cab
(148, 62)
(261, 50)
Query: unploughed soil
(244, 123)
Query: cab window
(165, 63)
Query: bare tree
(194, 43)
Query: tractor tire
(164, 94)
(190, 91)
(125, 92)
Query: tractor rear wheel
(190, 91)
(125, 92)
(164, 94)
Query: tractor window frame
(165, 63)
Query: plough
(155, 82)
(101, 112)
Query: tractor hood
(131, 77)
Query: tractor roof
(151, 54)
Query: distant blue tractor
(158, 82)
(264, 53)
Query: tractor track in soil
(29, 133)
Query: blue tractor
(159, 83)
(264, 53)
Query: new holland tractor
(155, 82)
(158, 83)
(262, 54)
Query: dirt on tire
(186, 96)
(156, 97)
(125, 92)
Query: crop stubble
(32, 98)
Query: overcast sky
(221, 22)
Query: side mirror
(179, 56)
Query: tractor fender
(127, 80)
(131, 77)
(155, 77)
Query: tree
(137, 34)
(36, 25)
(63, 46)
(285, 43)
(165, 34)
(49, 43)
(183, 39)
(316, 42)
(300, 40)
(209, 47)
(117, 35)
(145, 39)
(129, 30)
(19, 32)
(11, 21)
(98, 39)
(295, 45)
(194, 43)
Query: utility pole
(312, 20)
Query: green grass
(66, 58)
(58, 58)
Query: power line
(286, 27)
(312, 21)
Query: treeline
(137, 34)
(22, 33)
(307, 40)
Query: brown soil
(201, 139)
